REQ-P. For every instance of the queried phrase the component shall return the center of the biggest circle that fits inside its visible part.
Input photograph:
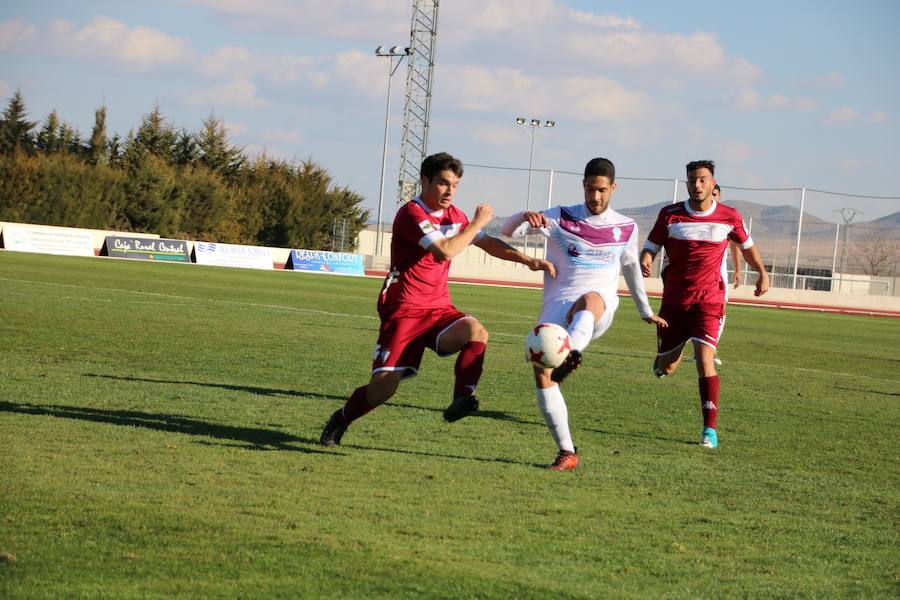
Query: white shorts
(556, 312)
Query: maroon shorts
(700, 322)
(405, 334)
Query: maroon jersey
(417, 279)
(695, 244)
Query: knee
(479, 333)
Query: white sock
(581, 329)
(552, 405)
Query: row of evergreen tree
(159, 179)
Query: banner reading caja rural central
(334, 263)
(146, 248)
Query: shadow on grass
(642, 436)
(261, 391)
(862, 391)
(507, 461)
(255, 439)
(484, 414)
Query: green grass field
(159, 427)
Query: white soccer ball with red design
(547, 345)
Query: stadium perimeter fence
(803, 241)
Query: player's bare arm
(500, 249)
(647, 262)
(447, 248)
(751, 256)
(736, 259)
(535, 220)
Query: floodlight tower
(417, 111)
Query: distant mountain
(891, 221)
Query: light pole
(847, 214)
(534, 124)
(391, 53)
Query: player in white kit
(589, 244)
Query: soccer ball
(547, 345)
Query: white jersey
(589, 252)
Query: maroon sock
(709, 400)
(356, 406)
(469, 365)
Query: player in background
(414, 304)
(733, 251)
(590, 244)
(695, 234)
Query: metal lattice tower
(417, 111)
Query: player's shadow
(247, 437)
(643, 436)
(261, 391)
(862, 391)
(479, 414)
(508, 461)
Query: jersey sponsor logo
(596, 235)
(699, 232)
(426, 226)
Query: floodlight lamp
(535, 122)
(550, 124)
(380, 50)
(398, 50)
(520, 121)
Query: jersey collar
(697, 213)
(434, 213)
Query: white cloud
(879, 117)
(481, 89)
(749, 99)
(843, 115)
(603, 21)
(239, 94)
(345, 19)
(107, 39)
(234, 128)
(233, 62)
(15, 34)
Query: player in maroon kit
(414, 304)
(695, 234)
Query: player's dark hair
(600, 167)
(434, 164)
(717, 188)
(701, 164)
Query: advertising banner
(146, 248)
(335, 263)
(45, 239)
(232, 255)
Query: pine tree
(185, 150)
(48, 140)
(115, 150)
(98, 146)
(155, 135)
(216, 153)
(15, 129)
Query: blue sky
(780, 94)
